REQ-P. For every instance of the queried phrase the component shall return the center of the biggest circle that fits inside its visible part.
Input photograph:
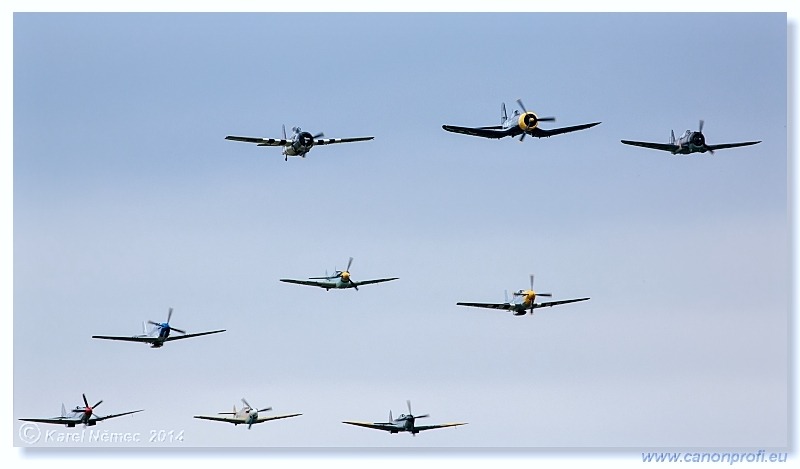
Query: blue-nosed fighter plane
(403, 423)
(247, 415)
(300, 143)
(84, 415)
(690, 142)
(339, 279)
(523, 124)
(522, 302)
(158, 335)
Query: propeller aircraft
(526, 123)
(690, 142)
(159, 333)
(84, 415)
(522, 302)
(339, 279)
(403, 423)
(247, 415)
(300, 143)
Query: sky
(127, 200)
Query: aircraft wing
(730, 145)
(106, 417)
(220, 419)
(312, 283)
(55, 420)
(187, 336)
(328, 141)
(262, 142)
(485, 132)
(148, 340)
(377, 426)
(655, 146)
(537, 132)
(505, 306)
(432, 427)
(368, 282)
(555, 303)
(274, 417)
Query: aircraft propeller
(410, 414)
(537, 294)
(702, 137)
(251, 407)
(165, 325)
(345, 274)
(531, 119)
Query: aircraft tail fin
(672, 137)
(506, 293)
(503, 114)
(63, 410)
(390, 416)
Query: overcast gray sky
(128, 201)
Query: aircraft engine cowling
(698, 139)
(528, 121)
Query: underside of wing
(196, 334)
(274, 417)
(220, 419)
(311, 283)
(486, 132)
(505, 306)
(328, 141)
(556, 303)
(262, 142)
(148, 340)
(376, 426)
(655, 146)
(433, 427)
(537, 132)
(368, 282)
(117, 415)
(54, 420)
(730, 145)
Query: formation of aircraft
(300, 143)
(522, 302)
(158, 335)
(247, 415)
(84, 415)
(690, 142)
(403, 423)
(526, 123)
(339, 279)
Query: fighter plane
(339, 279)
(403, 423)
(248, 415)
(522, 302)
(300, 143)
(158, 335)
(84, 415)
(523, 124)
(690, 142)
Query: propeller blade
(85, 402)
(349, 262)
(531, 281)
(408, 403)
(169, 315)
(283, 127)
(153, 323)
(321, 134)
(98, 403)
(700, 127)
(546, 119)
(544, 294)
(422, 416)
(178, 330)
(246, 403)
(522, 106)
(265, 410)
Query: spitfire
(159, 333)
(523, 301)
(300, 143)
(690, 142)
(80, 415)
(522, 124)
(340, 279)
(247, 415)
(403, 423)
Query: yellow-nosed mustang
(247, 415)
(300, 143)
(158, 335)
(690, 142)
(84, 415)
(522, 302)
(526, 123)
(403, 423)
(340, 279)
